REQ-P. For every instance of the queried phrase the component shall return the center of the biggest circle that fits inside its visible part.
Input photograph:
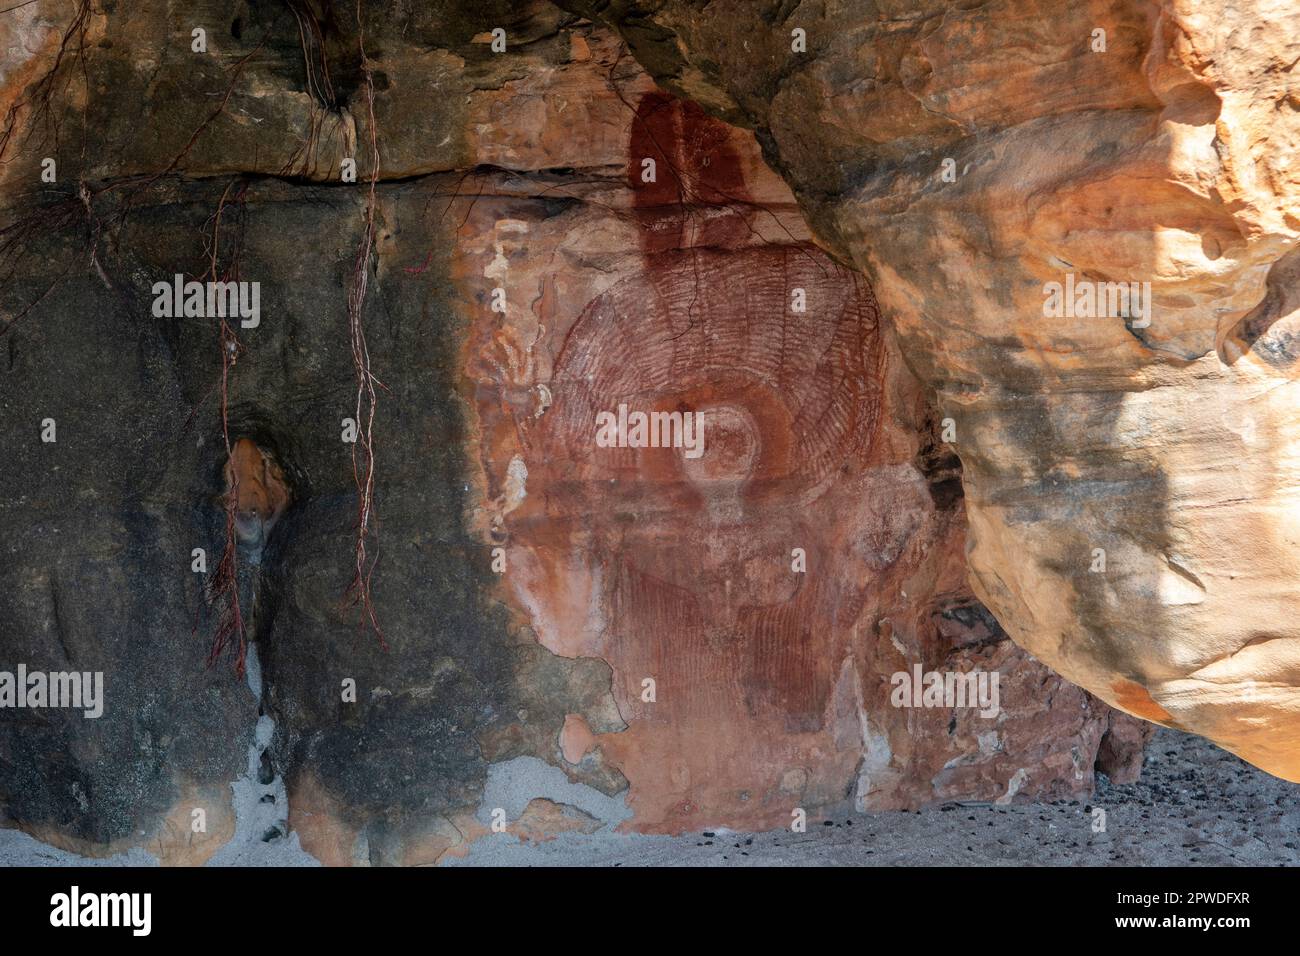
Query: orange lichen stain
(1136, 700)
(262, 491)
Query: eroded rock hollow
(475, 228)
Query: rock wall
(518, 274)
(998, 169)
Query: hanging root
(224, 586)
(223, 589)
(18, 236)
(23, 237)
(137, 185)
(315, 59)
(358, 593)
(37, 101)
(319, 87)
(34, 110)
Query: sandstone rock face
(1130, 473)
(525, 275)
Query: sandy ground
(1195, 805)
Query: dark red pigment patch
(699, 193)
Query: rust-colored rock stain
(261, 489)
(1135, 698)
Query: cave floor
(1195, 805)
